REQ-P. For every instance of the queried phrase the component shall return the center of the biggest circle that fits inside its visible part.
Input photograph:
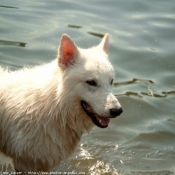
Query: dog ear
(67, 51)
(104, 43)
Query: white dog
(44, 110)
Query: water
(142, 50)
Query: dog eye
(111, 81)
(91, 82)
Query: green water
(142, 50)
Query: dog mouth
(99, 121)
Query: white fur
(41, 119)
(6, 161)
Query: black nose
(116, 112)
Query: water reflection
(169, 93)
(74, 26)
(141, 94)
(4, 6)
(129, 94)
(14, 43)
(134, 81)
(155, 95)
(96, 34)
(91, 33)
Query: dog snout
(116, 111)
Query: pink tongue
(102, 120)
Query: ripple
(130, 94)
(96, 34)
(153, 95)
(142, 94)
(169, 93)
(152, 172)
(13, 43)
(163, 95)
(134, 81)
(5, 6)
(74, 26)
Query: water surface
(142, 50)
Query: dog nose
(116, 112)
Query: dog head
(88, 77)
